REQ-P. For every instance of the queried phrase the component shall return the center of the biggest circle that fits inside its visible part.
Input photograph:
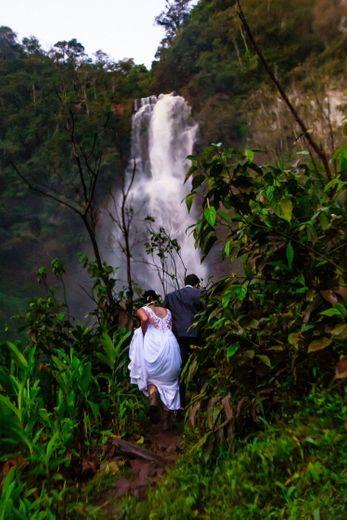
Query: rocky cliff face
(272, 128)
(213, 64)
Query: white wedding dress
(155, 359)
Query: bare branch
(88, 294)
(125, 230)
(305, 131)
(37, 189)
(76, 156)
(94, 180)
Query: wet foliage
(265, 428)
(278, 329)
(293, 469)
(64, 390)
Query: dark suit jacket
(183, 304)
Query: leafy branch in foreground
(62, 394)
(281, 326)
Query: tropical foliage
(63, 393)
(265, 429)
(293, 469)
(279, 328)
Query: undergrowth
(294, 469)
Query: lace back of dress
(162, 324)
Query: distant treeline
(205, 56)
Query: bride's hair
(151, 297)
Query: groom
(184, 304)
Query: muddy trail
(134, 465)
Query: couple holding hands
(159, 349)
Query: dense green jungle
(264, 433)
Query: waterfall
(163, 135)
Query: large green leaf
(5, 401)
(210, 215)
(249, 155)
(319, 344)
(336, 310)
(228, 247)
(199, 179)
(8, 487)
(18, 356)
(284, 209)
(264, 359)
(189, 200)
(232, 349)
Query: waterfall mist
(163, 135)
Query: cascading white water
(163, 135)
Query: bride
(155, 359)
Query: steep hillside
(212, 63)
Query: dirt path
(141, 465)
